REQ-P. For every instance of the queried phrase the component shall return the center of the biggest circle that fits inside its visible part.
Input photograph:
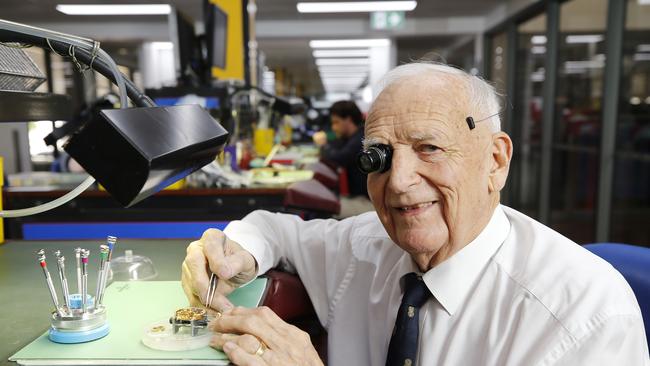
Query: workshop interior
(128, 128)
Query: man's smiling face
(436, 191)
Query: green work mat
(131, 307)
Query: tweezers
(212, 288)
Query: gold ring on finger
(261, 349)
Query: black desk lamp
(132, 152)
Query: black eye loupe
(376, 158)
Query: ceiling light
(340, 82)
(592, 64)
(162, 45)
(644, 2)
(336, 96)
(585, 38)
(642, 57)
(538, 39)
(114, 9)
(341, 75)
(341, 53)
(643, 47)
(331, 80)
(345, 73)
(538, 50)
(335, 68)
(355, 7)
(349, 43)
(342, 61)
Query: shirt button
(408, 362)
(411, 311)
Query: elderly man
(441, 273)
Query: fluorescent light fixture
(538, 40)
(585, 38)
(643, 47)
(336, 96)
(342, 61)
(355, 7)
(328, 82)
(642, 57)
(538, 50)
(644, 2)
(340, 76)
(537, 76)
(345, 73)
(341, 86)
(341, 53)
(335, 68)
(593, 64)
(114, 9)
(349, 43)
(339, 90)
(346, 81)
(162, 45)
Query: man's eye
(427, 148)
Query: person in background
(347, 124)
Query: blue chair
(634, 264)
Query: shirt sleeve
(319, 250)
(619, 340)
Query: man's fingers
(219, 339)
(240, 357)
(226, 258)
(238, 268)
(263, 312)
(188, 288)
(194, 268)
(213, 246)
(252, 324)
(249, 343)
(220, 303)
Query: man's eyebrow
(369, 141)
(422, 135)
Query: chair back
(634, 264)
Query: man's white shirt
(519, 294)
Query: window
(530, 77)
(631, 185)
(577, 123)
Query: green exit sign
(387, 19)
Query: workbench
(25, 303)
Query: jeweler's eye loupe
(376, 158)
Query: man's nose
(403, 170)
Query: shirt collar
(451, 280)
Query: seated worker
(441, 273)
(347, 125)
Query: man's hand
(214, 252)
(252, 337)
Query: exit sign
(387, 19)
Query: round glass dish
(130, 267)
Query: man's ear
(501, 156)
